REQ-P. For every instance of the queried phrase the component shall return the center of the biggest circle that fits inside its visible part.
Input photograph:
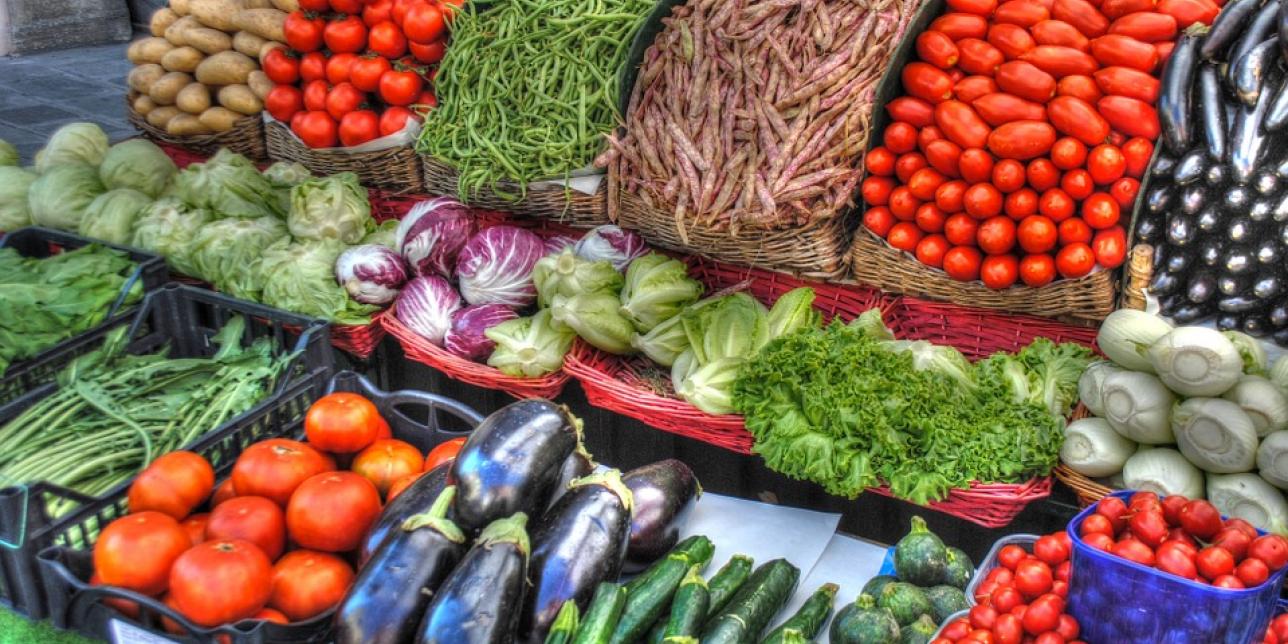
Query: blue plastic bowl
(1116, 600)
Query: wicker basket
(568, 207)
(1086, 300)
(396, 169)
(246, 137)
(977, 333)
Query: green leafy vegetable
(657, 289)
(110, 216)
(8, 154)
(1043, 373)
(300, 277)
(76, 143)
(227, 185)
(225, 253)
(58, 197)
(594, 317)
(793, 312)
(385, 234)
(15, 213)
(137, 164)
(332, 208)
(287, 174)
(529, 347)
(567, 274)
(167, 228)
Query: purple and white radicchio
(556, 244)
(610, 243)
(426, 305)
(433, 234)
(495, 267)
(371, 273)
(466, 338)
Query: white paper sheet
(847, 562)
(761, 531)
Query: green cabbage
(300, 277)
(14, 210)
(137, 164)
(529, 347)
(386, 234)
(73, 143)
(594, 317)
(110, 217)
(8, 154)
(737, 327)
(167, 228)
(657, 288)
(59, 197)
(287, 174)
(567, 274)
(793, 312)
(332, 208)
(224, 253)
(709, 387)
(228, 185)
(664, 342)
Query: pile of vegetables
(49, 300)
(1203, 392)
(1217, 211)
(356, 70)
(1017, 153)
(755, 114)
(1022, 597)
(528, 90)
(199, 71)
(910, 606)
(114, 412)
(849, 407)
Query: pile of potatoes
(199, 73)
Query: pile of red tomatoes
(356, 70)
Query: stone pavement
(39, 92)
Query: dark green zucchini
(602, 614)
(945, 600)
(809, 620)
(959, 569)
(920, 557)
(696, 548)
(863, 623)
(905, 601)
(689, 606)
(919, 632)
(565, 625)
(649, 594)
(754, 606)
(875, 584)
(725, 583)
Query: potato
(175, 32)
(216, 13)
(180, 6)
(182, 59)
(186, 125)
(160, 116)
(257, 4)
(220, 119)
(193, 99)
(142, 77)
(148, 50)
(207, 40)
(287, 5)
(143, 104)
(265, 23)
(161, 19)
(226, 68)
(260, 84)
(167, 87)
(248, 43)
(240, 98)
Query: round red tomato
(1007, 629)
(1077, 184)
(377, 11)
(275, 467)
(924, 182)
(1097, 523)
(1252, 572)
(173, 484)
(1100, 211)
(1234, 540)
(346, 34)
(400, 87)
(904, 236)
(347, 6)
(124, 606)
(1136, 155)
(313, 67)
(302, 32)
(1037, 270)
(876, 190)
(281, 67)
(975, 165)
(1051, 550)
(195, 526)
(1074, 230)
(1075, 260)
(284, 102)
(387, 40)
(1068, 153)
(343, 423)
(1106, 164)
(982, 616)
(224, 492)
(1149, 526)
(962, 263)
(950, 195)
(307, 583)
(930, 218)
(878, 220)
(315, 93)
(428, 54)
(908, 164)
(343, 99)
(1056, 204)
(250, 518)
(1270, 548)
(358, 127)
(332, 511)
(1021, 204)
(961, 229)
(1043, 614)
(442, 453)
(1124, 192)
(399, 10)
(137, 550)
(365, 72)
(1172, 557)
(387, 460)
(1133, 550)
(931, 249)
(880, 161)
(424, 23)
(271, 615)
(1042, 175)
(1110, 247)
(1033, 577)
(999, 271)
(996, 235)
(219, 582)
(903, 204)
(982, 200)
(900, 138)
(1037, 234)
(1008, 175)
(338, 68)
(1214, 561)
(316, 6)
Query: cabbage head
(8, 154)
(58, 197)
(137, 164)
(657, 289)
(287, 174)
(224, 253)
(299, 276)
(335, 207)
(167, 228)
(110, 217)
(529, 347)
(228, 185)
(73, 143)
(14, 211)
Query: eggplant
(1202, 289)
(1263, 25)
(1230, 284)
(480, 602)
(1247, 141)
(1228, 322)
(1281, 22)
(1256, 325)
(578, 464)
(1239, 261)
(1163, 283)
(1158, 199)
(1212, 109)
(1177, 263)
(1239, 230)
(1208, 221)
(1147, 230)
(665, 493)
(1267, 288)
(580, 542)
(1180, 229)
(1277, 115)
(1174, 98)
(385, 603)
(1268, 253)
(1238, 304)
(1163, 165)
(1211, 252)
(1216, 175)
(1190, 168)
(1279, 316)
(1236, 200)
(1249, 72)
(1260, 212)
(1227, 27)
(1188, 313)
(417, 498)
(1193, 198)
(511, 462)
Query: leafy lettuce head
(225, 252)
(793, 312)
(73, 143)
(529, 347)
(567, 274)
(110, 217)
(332, 208)
(594, 317)
(138, 164)
(228, 185)
(300, 277)
(941, 359)
(15, 212)
(167, 228)
(657, 289)
(58, 197)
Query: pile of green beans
(528, 88)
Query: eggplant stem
(508, 530)
(436, 518)
(610, 479)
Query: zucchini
(905, 601)
(696, 548)
(809, 620)
(919, 632)
(754, 606)
(689, 607)
(648, 595)
(920, 557)
(946, 600)
(959, 569)
(565, 625)
(863, 623)
(875, 584)
(720, 589)
(602, 614)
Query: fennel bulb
(1272, 459)
(1093, 448)
(1278, 374)
(1265, 404)
(1215, 435)
(1164, 471)
(1196, 361)
(1248, 497)
(1138, 406)
(1090, 383)
(1250, 351)
(1124, 335)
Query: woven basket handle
(1140, 270)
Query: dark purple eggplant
(1163, 165)
(1280, 337)
(480, 602)
(417, 498)
(1228, 322)
(1217, 175)
(1279, 316)
(386, 601)
(1277, 115)
(1190, 168)
(578, 464)
(1268, 253)
(1238, 304)
(1187, 313)
(1267, 288)
(1281, 23)
(1163, 283)
(1249, 73)
(1263, 25)
(1248, 142)
(1209, 220)
(1238, 229)
(1236, 200)
(1227, 27)
(1158, 199)
(665, 493)
(580, 542)
(1256, 326)
(1266, 184)
(1174, 112)
(1202, 289)
(1212, 108)
(1193, 198)
(511, 462)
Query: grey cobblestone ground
(40, 92)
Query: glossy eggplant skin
(415, 499)
(665, 493)
(1227, 27)
(387, 599)
(580, 542)
(480, 602)
(1174, 102)
(578, 464)
(511, 462)
(1248, 140)
(1212, 108)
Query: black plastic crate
(21, 378)
(419, 418)
(184, 319)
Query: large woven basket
(245, 138)
(568, 207)
(977, 332)
(396, 169)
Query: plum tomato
(1051, 550)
